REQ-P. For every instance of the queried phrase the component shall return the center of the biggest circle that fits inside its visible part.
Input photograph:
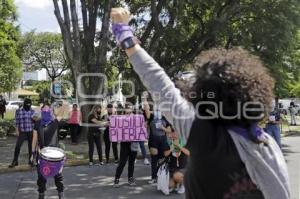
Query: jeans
(20, 140)
(94, 137)
(74, 129)
(143, 149)
(41, 182)
(107, 146)
(126, 154)
(293, 119)
(274, 131)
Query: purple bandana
(46, 117)
(122, 32)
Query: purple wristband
(122, 32)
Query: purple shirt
(24, 120)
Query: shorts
(160, 143)
(173, 171)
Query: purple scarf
(255, 130)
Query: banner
(127, 128)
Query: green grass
(9, 115)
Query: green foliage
(175, 32)
(43, 88)
(44, 50)
(295, 91)
(10, 65)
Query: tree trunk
(79, 45)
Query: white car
(13, 105)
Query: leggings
(126, 154)
(94, 137)
(107, 147)
(41, 182)
(74, 128)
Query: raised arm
(175, 108)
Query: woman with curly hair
(230, 156)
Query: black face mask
(27, 104)
(27, 107)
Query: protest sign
(127, 128)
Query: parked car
(13, 105)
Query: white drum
(52, 154)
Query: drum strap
(42, 134)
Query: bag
(134, 146)
(163, 179)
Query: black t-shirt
(2, 104)
(215, 169)
(177, 163)
(152, 125)
(92, 127)
(106, 118)
(47, 135)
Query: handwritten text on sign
(127, 128)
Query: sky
(36, 14)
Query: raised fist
(120, 15)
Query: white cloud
(39, 4)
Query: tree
(10, 65)
(44, 50)
(174, 32)
(177, 31)
(85, 46)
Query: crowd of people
(216, 129)
(163, 143)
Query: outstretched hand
(120, 15)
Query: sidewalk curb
(23, 168)
(69, 163)
(289, 133)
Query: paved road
(96, 182)
(83, 182)
(291, 149)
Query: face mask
(27, 104)
(157, 115)
(46, 117)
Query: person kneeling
(177, 160)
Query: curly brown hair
(233, 76)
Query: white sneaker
(146, 161)
(181, 189)
(152, 181)
(91, 164)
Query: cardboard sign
(127, 128)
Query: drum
(51, 161)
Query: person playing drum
(45, 136)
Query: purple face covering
(46, 117)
